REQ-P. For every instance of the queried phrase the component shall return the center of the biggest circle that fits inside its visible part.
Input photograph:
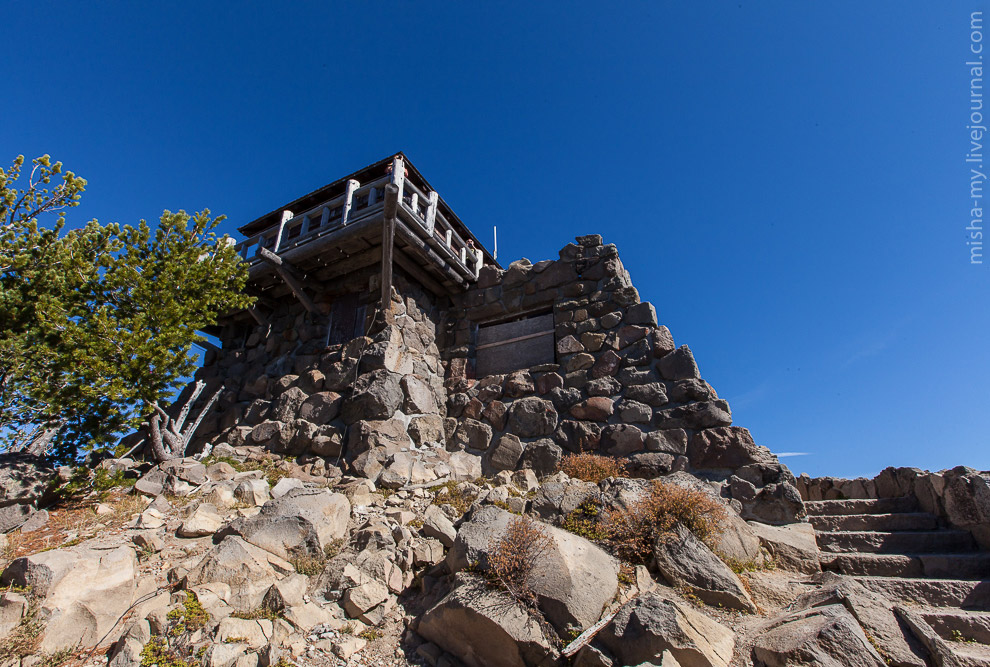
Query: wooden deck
(344, 234)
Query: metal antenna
(495, 234)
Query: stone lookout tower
(387, 343)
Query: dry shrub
(514, 556)
(632, 532)
(592, 467)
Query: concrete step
(885, 522)
(935, 566)
(919, 542)
(881, 506)
(964, 593)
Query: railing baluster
(325, 216)
(399, 174)
(352, 185)
(286, 216)
(431, 212)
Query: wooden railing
(359, 202)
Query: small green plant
(371, 634)
(348, 629)
(958, 636)
(334, 547)
(309, 565)
(258, 613)
(584, 521)
(157, 652)
(235, 640)
(55, 659)
(104, 480)
(190, 616)
(22, 641)
(282, 662)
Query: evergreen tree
(97, 324)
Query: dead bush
(592, 467)
(513, 557)
(632, 532)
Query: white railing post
(352, 185)
(305, 226)
(464, 256)
(448, 236)
(431, 212)
(413, 203)
(478, 260)
(399, 174)
(286, 216)
(325, 216)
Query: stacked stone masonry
(403, 406)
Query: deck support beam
(287, 273)
(388, 247)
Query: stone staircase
(937, 576)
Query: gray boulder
(826, 636)
(573, 582)
(303, 522)
(377, 395)
(532, 418)
(485, 627)
(686, 562)
(793, 547)
(650, 624)
(248, 570)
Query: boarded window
(511, 346)
(346, 320)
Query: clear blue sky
(785, 181)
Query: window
(511, 346)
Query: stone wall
(619, 385)
(960, 497)
(402, 406)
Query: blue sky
(784, 181)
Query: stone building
(388, 343)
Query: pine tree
(97, 324)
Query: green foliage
(584, 521)
(190, 616)
(157, 652)
(260, 612)
(99, 321)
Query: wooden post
(352, 185)
(431, 212)
(287, 274)
(286, 216)
(388, 245)
(325, 217)
(399, 174)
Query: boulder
(288, 404)
(532, 418)
(647, 626)
(792, 547)
(419, 397)
(83, 591)
(678, 365)
(686, 562)
(776, 504)
(651, 393)
(470, 434)
(542, 457)
(248, 570)
(303, 522)
(321, 407)
(484, 627)
(23, 478)
(505, 453)
(377, 395)
(555, 499)
(621, 439)
(437, 525)
(204, 520)
(596, 408)
(424, 429)
(727, 447)
(826, 636)
(572, 582)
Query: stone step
(964, 593)
(919, 542)
(959, 624)
(970, 655)
(886, 522)
(872, 506)
(934, 566)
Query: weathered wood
(286, 216)
(285, 272)
(388, 246)
(419, 274)
(351, 186)
(258, 317)
(431, 212)
(413, 239)
(502, 348)
(585, 637)
(399, 174)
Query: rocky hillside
(246, 559)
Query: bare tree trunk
(158, 451)
(40, 442)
